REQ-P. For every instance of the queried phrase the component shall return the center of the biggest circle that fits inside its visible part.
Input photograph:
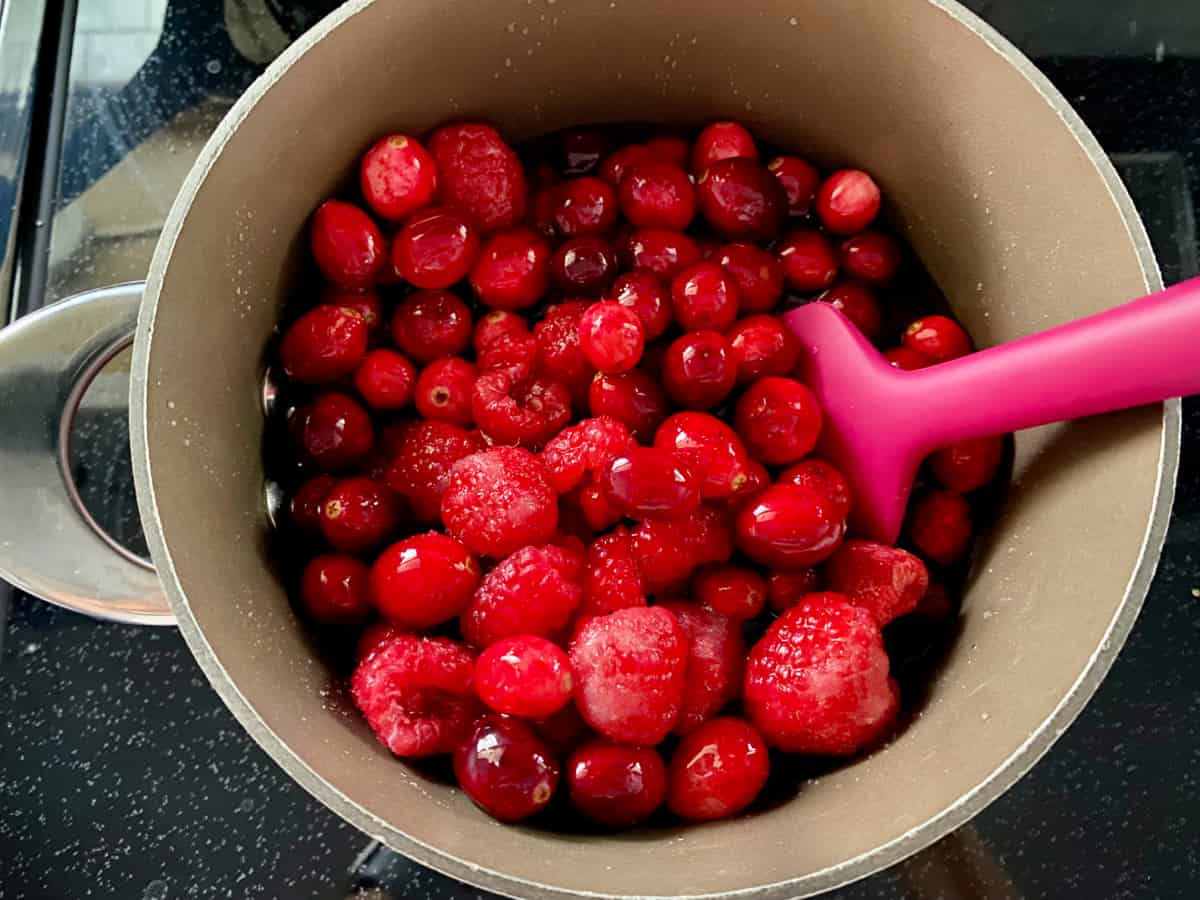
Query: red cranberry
(611, 336)
(582, 149)
(347, 245)
(645, 295)
(615, 784)
(789, 527)
(808, 260)
(857, 303)
(871, 256)
(397, 177)
(939, 524)
(444, 391)
(584, 206)
(661, 251)
(365, 303)
(599, 514)
(799, 181)
(421, 462)
(937, 338)
(823, 478)
(584, 265)
(479, 173)
(333, 590)
(323, 345)
(435, 248)
(651, 483)
(779, 420)
(968, 465)
(526, 413)
(786, 589)
(699, 370)
(358, 514)
(512, 270)
(424, 580)
(525, 676)
(741, 200)
(496, 325)
(710, 448)
(704, 297)
(731, 590)
(620, 161)
(656, 193)
(305, 506)
(506, 769)
(633, 398)
(756, 478)
(717, 770)
(721, 140)
(671, 148)
(385, 379)
(757, 274)
(848, 201)
(333, 432)
(432, 324)
(762, 346)
(908, 360)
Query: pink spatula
(880, 422)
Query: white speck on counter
(1160, 51)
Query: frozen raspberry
(333, 432)
(762, 346)
(789, 527)
(885, 581)
(358, 514)
(630, 673)
(708, 535)
(651, 483)
(757, 274)
(525, 413)
(512, 270)
(561, 356)
(479, 173)
(818, 680)
(535, 591)
(304, 509)
(711, 450)
(704, 297)
(716, 661)
(614, 166)
(397, 177)
(905, 359)
(525, 676)
(499, 324)
(786, 589)
(416, 694)
(672, 148)
(347, 245)
(506, 768)
(323, 345)
(871, 256)
(937, 338)
(385, 379)
(717, 770)
(599, 514)
(968, 465)
(499, 500)
(699, 370)
(730, 590)
(611, 580)
(584, 206)
(779, 420)
(584, 266)
(823, 478)
(645, 295)
(721, 140)
(633, 398)
(611, 337)
(660, 251)
(799, 181)
(857, 303)
(939, 524)
(420, 466)
(516, 354)
(808, 260)
(741, 200)
(848, 201)
(333, 590)
(668, 550)
(583, 450)
(432, 324)
(374, 636)
(435, 248)
(444, 391)
(657, 193)
(614, 784)
(424, 580)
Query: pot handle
(50, 546)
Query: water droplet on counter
(213, 66)
(155, 890)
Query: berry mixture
(554, 483)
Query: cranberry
(584, 265)
(704, 297)
(499, 500)
(496, 325)
(822, 477)
(661, 251)
(583, 450)
(480, 174)
(584, 206)
(711, 450)
(786, 589)
(617, 163)
(671, 148)
(799, 181)
(905, 359)
(857, 303)
(730, 590)
(582, 149)
(757, 274)
(756, 477)
(644, 294)
(506, 768)
(333, 432)
(385, 379)
(305, 506)
(431, 324)
(516, 354)
(779, 420)
(347, 245)
(633, 398)
(444, 391)
(762, 346)
(561, 355)
(657, 193)
(789, 527)
(358, 514)
(525, 676)
(717, 770)
(611, 336)
(435, 248)
(365, 303)
(397, 176)
(937, 605)
(937, 338)
(424, 580)
(599, 514)
(721, 140)
(651, 483)
(615, 784)
(333, 590)
(741, 200)
(808, 260)
(421, 463)
(699, 370)
(323, 345)
(967, 465)
(527, 413)
(939, 524)
(871, 256)
(512, 270)
(848, 201)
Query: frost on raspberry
(716, 661)
(611, 580)
(535, 591)
(499, 500)
(525, 413)
(669, 550)
(886, 581)
(582, 450)
(422, 454)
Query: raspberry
(721, 140)
(524, 675)
(420, 466)
(757, 274)
(534, 591)
(611, 579)
(886, 581)
(786, 589)
(424, 580)
(630, 669)
(583, 450)
(616, 785)
(651, 483)
(506, 768)
(385, 379)
(480, 173)
(561, 353)
(332, 432)
(716, 660)
(499, 500)
(779, 420)
(347, 245)
(939, 524)
(711, 450)
(633, 398)
(497, 325)
(444, 391)
(823, 478)
(431, 324)
(325, 344)
(397, 176)
(333, 590)
(817, 682)
(967, 465)
(516, 354)
(416, 694)
(789, 527)
(358, 514)
(667, 550)
(717, 770)
(611, 337)
(731, 591)
(526, 413)
(512, 270)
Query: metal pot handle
(50, 546)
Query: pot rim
(861, 866)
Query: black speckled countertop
(121, 774)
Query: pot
(996, 183)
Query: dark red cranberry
(651, 483)
(741, 200)
(323, 345)
(444, 391)
(848, 201)
(398, 176)
(385, 379)
(506, 768)
(799, 181)
(730, 590)
(480, 174)
(435, 248)
(347, 245)
(432, 324)
(333, 590)
(582, 150)
(526, 413)
(656, 193)
(710, 448)
(809, 263)
(937, 338)
(721, 140)
(779, 420)
(786, 589)
(717, 770)
(937, 605)
(424, 580)
(939, 524)
(671, 148)
(757, 274)
(584, 266)
(540, 214)
(823, 478)
(599, 514)
(871, 256)
(660, 251)
(358, 514)
(366, 303)
(611, 336)
(584, 206)
(645, 295)
(633, 398)
(333, 432)
(967, 465)
(762, 345)
(524, 675)
(304, 508)
(908, 360)
(789, 527)
(704, 298)
(615, 784)
(857, 303)
(699, 370)
(512, 270)
(497, 325)
(617, 163)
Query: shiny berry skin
(497, 325)
(717, 770)
(304, 509)
(424, 580)
(857, 303)
(885, 581)
(730, 590)
(366, 303)
(786, 589)
(358, 514)
(506, 768)
(611, 579)
(435, 248)
(479, 173)
(799, 181)
(872, 256)
(524, 675)
(757, 274)
(906, 360)
(584, 206)
(721, 140)
(534, 591)
(431, 324)
(499, 500)
(710, 448)
(657, 193)
(778, 420)
(939, 524)
(716, 662)
(848, 201)
(385, 379)
(651, 483)
(789, 527)
(808, 260)
(699, 370)
(444, 391)
(333, 432)
(598, 513)
(633, 398)
(347, 245)
(630, 673)
(512, 270)
(614, 166)
(333, 590)
(967, 465)
(817, 682)
(325, 344)
(560, 353)
(741, 200)
(614, 784)
(937, 338)
(525, 413)
(645, 295)
(397, 177)
(582, 150)
(584, 265)
(822, 477)
(583, 450)
(420, 465)
(704, 298)
(611, 337)
(762, 346)
(671, 148)
(661, 251)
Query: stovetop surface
(121, 773)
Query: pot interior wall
(995, 193)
